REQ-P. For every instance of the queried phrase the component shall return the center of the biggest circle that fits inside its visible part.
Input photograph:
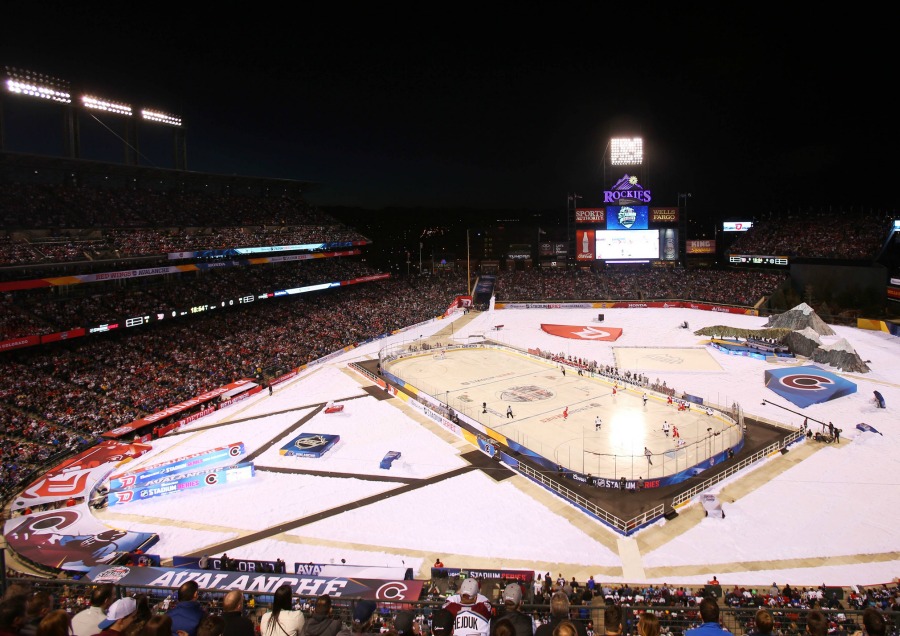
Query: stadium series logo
(527, 393)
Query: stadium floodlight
(626, 152)
(161, 117)
(95, 103)
(31, 84)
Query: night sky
(445, 106)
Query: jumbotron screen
(619, 244)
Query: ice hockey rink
(555, 414)
(431, 503)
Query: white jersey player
(471, 610)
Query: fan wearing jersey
(471, 611)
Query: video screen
(616, 244)
(627, 217)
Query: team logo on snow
(808, 385)
(608, 334)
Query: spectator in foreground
(764, 623)
(648, 625)
(187, 613)
(709, 614)
(282, 619)
(119, 617)
(236, 624)
(55, 623)
(321, 622)
(559, 612)
(511, 610)
(816, 624)
(471, 610)
(363, 619)
(873, 622)
(87, 621)
(612, 620)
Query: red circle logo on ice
(211, 479)
(526, 393)
(807, 381)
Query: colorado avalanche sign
(808, 385)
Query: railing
(625, 527)
(759, 455)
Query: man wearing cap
(119, 616)
(471, 610)
(363, 619)
(405, 624)
(511, 610)
(441, 622)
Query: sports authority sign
(575, 332)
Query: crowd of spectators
(89, 385)
(57, 223)
(841, 234)
(722, 286)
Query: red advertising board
(585, 245)
(590, 215)
(700, 247)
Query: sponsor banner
(893, 293)
(608, 334)
(76, 476)
(260, 583)
(180, 465)
(700, 247)
(18, 343)
(743, 311)
(215, 563)
(71, 539)
(525, 576)
(241, 397)
(62, 335)
(179, 483)
(736, 226)
(808, 385)
(590, 215)
(208, 396)
(585, 242)
(664, 215)
(168, 269)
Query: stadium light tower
(32, 85)
(35, 85)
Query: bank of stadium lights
(626, 152)
(94, 103)
(160, 117)
(30, 84)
